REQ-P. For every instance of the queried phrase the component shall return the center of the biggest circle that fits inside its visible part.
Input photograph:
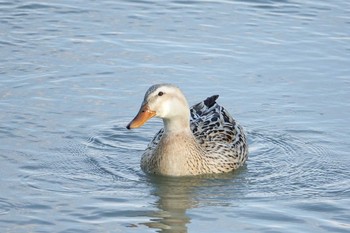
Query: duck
(203, 139)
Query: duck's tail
(210, 101)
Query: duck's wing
(211, 123)
(216, 130)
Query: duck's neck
(176, 125)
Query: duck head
(165, 101)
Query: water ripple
(283, 165)
(5, 206)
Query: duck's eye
(160, 93)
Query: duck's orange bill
(144, 115)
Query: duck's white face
(163, 101)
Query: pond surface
(73, 74)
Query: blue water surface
(73, 74)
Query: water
(73, 74)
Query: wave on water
(282, 164)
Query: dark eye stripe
(160, 93)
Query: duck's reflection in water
(178, 195)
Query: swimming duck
(203, 139)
